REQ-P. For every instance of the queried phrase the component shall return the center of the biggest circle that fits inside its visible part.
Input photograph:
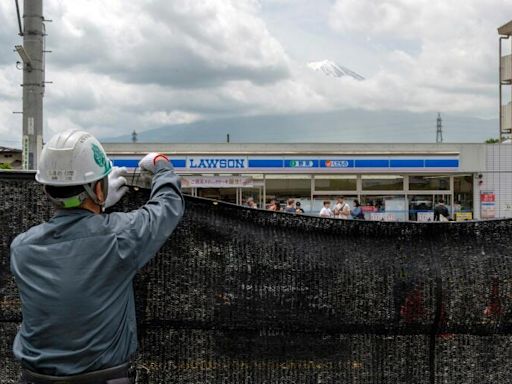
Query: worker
(74, 273)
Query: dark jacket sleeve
(141, 233)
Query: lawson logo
(337, 164)
(214, 163)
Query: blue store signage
(285, 163)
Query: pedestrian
(298, 208)
(274, 205)
(357, 211)
(326, 210)
(74, 273)
(441, 212)
(290, 207)
(251, 203)
(341, 209)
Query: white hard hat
(72, 158)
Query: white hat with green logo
(73, 158)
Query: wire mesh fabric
(241, 295)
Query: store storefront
(390, 185)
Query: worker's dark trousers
(114, 375)
(113, 381)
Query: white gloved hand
(116, 186)
(148, 162)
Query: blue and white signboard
(287, 164)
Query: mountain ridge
(342, 126)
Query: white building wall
(497, 178)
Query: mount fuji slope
(330, 68)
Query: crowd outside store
(344, 210)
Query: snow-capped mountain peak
(330, 68)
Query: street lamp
(24, 56)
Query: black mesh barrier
(248, 296)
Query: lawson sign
(217, 163)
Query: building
(505, 81)
(10, 157)
(392, 181)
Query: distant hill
(338, 126)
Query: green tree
(492, 140)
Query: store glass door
(446, 199)
(421, 207)
(255, 193)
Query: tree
(492, 141)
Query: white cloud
(179, 43)
(453, 65)
(119, 66)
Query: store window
(421, 207)
(463, 197)
(284, 187)
(223, 194)
(255, 191)
(382, 183)
(429, 183)
(335, 183)
(318, 202)
(384, 208)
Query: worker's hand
(149, 161)
(116, 186)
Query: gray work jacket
(74, 274)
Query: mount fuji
(330, 68)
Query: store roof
(506, 29)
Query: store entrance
(421, 207)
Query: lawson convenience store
(394, 181)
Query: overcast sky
(139, 64)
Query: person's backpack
(358, 214)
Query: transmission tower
(439, 132)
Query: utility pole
(33, 81)
(439, 132)
(134, 136)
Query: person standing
(74, 273)
(298, 208)
(357, 211)
(251, 203)
(441, 212)
(290, 207)
(326, 211)
(342, 209)
(274, 206)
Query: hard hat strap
(67, 202)
(89, 188)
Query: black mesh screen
(247, 296)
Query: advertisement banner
(425, 216)
(463, 216)
(487, 205)
(216, 182)
(383, 216)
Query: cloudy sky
(140, 64)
